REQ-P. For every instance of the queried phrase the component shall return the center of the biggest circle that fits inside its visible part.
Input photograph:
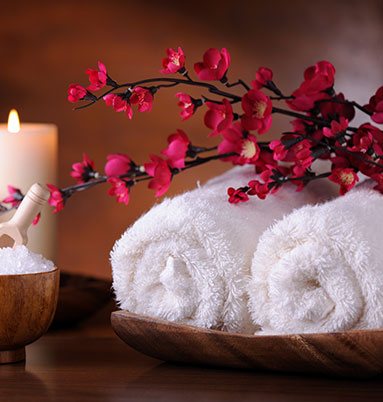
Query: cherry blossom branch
(321, 122)
(356, 155)
(213, 89)
(239, 82)
(288, 159)
(282, 97)
(346, 102)
(299, 116)
(256, 188)
(309, 178)
(174, 81)
(137, 175)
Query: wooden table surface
(97, 366)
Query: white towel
(188, 259)
(320, 269)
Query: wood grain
(79, 298)
(353, 353)
(27, 306)
(72, 366)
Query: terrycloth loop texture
(188, 259)
(320, 269)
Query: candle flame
(13, 121)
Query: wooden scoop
(14, 232)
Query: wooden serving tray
(352, 353)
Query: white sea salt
(20, 260)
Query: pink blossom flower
(219, 116)
(301, 126)
(119, 189)
(76, 92)
(97, 78)
(365, 165)
(305, 102)
(187, 105)
(249, 150)
(336, 128)
(83, 171)
(174, 62)
(280, 171)
(268, 175)
(332, 110)
(177, 149)
(271, 175)
(36, 219)
(257, 107)
(317, 79)
(56, 199)
(279, 150)
(367, 138)
(237, 195)
(162, 176)
(262, 77)
(339, 162)
(375, 106)
(297, 172)
(292, 148)
(15, 196)
(119, 104)
(261, 190)
(303, 154)
(143, 98)
(245, 146)
(214, 65)
(265, 161)
(362, 141)
(232, 143)
(117, 164)
(345, 177)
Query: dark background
(47, 45)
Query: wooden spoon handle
(31, 205)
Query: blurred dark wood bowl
(79, 298)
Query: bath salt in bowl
(29, 287)
(20, 260)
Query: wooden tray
(352, 353)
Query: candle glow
(13, 121)
(28, 157)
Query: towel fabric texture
(320, 269)
(188, 259)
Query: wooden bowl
(27, 306)
(352, 353)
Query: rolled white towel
(320, 269)
(188, 259)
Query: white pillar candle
(27, 156)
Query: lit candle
(28, 154)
